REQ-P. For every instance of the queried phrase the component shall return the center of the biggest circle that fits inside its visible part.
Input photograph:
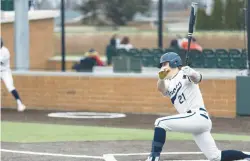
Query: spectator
(174, 44)
(125, 44)
(90, 60)
(111, 51)
(183, 44)
(31, 5)
(94, 54)
(117, 40)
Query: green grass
(150, 33)
(33, 132)
(93, 30)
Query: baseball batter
(6, 76)
(180, 84)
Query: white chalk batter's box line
(106, 157)
(111, 157)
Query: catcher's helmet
(173, 59)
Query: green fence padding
(242, 95)
(7, 5)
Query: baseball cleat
(150, 158)
(21, 108)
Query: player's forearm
(161, 86)
(195, 77)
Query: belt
(202, 109)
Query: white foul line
(166, 153)
(111, 157)
(50, 154)
(106, 157)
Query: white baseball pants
(199, 125)
(6, 76)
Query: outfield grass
(34, 132)
(197, 34)
(133, 30)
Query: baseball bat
(191, 27)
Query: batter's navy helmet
(173, 59)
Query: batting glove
(163, 73)
(188, 71)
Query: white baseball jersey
(5, 70)
(184, 94)
(4, 59)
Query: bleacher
(208, 58)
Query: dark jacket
(111, 51)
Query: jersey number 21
(181, 98)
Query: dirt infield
(94, 151)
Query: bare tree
(43, 4)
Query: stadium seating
(208, 58)
(182, 54)
(157, 55)
(223, 59)
(235, 58)
(136, 53)
(120, 64)
(243, 59)
(158, 51)
(169, 50)
(148, 59)
(196, 59)
(122, 52)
